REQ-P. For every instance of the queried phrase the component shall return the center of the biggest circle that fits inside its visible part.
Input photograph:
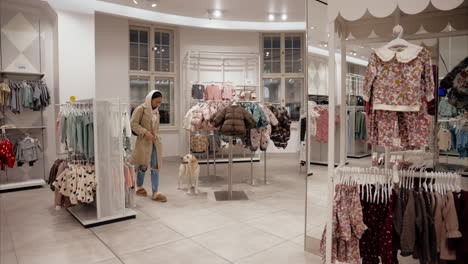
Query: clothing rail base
(87, 216)
(21, 186)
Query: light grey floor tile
(299, 240)
(284, 253)
(237, 241)
(84, 250)
(196, 222)
(31, 234)
(6, 241)
(243, 210)
(110, 261)
(282, 224)
(139, 237)
(140, 218)
(8, 257)
(179, 252)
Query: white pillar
(331, 136)
(76, 55)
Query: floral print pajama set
(398, 84)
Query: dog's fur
(189, 171)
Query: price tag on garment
(72, 98)
(3, 131)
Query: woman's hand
(149, 136)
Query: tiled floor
(268, 228)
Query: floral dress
(348, 226)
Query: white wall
(76, 55)
(112, 53)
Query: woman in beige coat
(148, 147)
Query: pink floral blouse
(399, 80)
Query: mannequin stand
(230, 195)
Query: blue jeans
(154, 172)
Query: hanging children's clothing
(28, 94)
(198, 91)
(399, 80)
(398, 85)
(457, 82)
(213, 92)
(281, 133)
(77, 182)
(7, 154)
(77, 131)
(444, 140)
(322, 125)
(348, 226)
(198, 143)
(461, 205)
(376, 242)
(360, 130)
(228, 92)
(446, 110)
(27, 151)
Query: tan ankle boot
(141, 191)
(159, 197)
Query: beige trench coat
(142, 151)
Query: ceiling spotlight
(271, 17)
(135, 2)
(217, 13)
(284, 17)
(154, 5)
(313, 27)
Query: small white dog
(189, 171)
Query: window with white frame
(152, 66)
(283, 70)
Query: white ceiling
(235, 10)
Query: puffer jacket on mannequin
(233, 121)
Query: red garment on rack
(377, 239)
(322, 126)
(7, 155)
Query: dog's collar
(183, 162)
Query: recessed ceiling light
(217, 13)
(284, 17)
(135, 2)
(313, 27)
(154, 5)
(271, 17)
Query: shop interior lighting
(284, 17)
(217, 13)
(271, 17)
(135, 2)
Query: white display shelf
(87, 216)
(21, 185)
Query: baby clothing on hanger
(198, 91)
(213, 92)
(27, 151)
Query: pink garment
(213, 92)
(229, 92)
(59, 198)
(129, 174)
(322, 126)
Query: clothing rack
(109, 206)
(28, 122)
(223, 67)
(358, 148)
(340, 30)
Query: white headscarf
(155, 112)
